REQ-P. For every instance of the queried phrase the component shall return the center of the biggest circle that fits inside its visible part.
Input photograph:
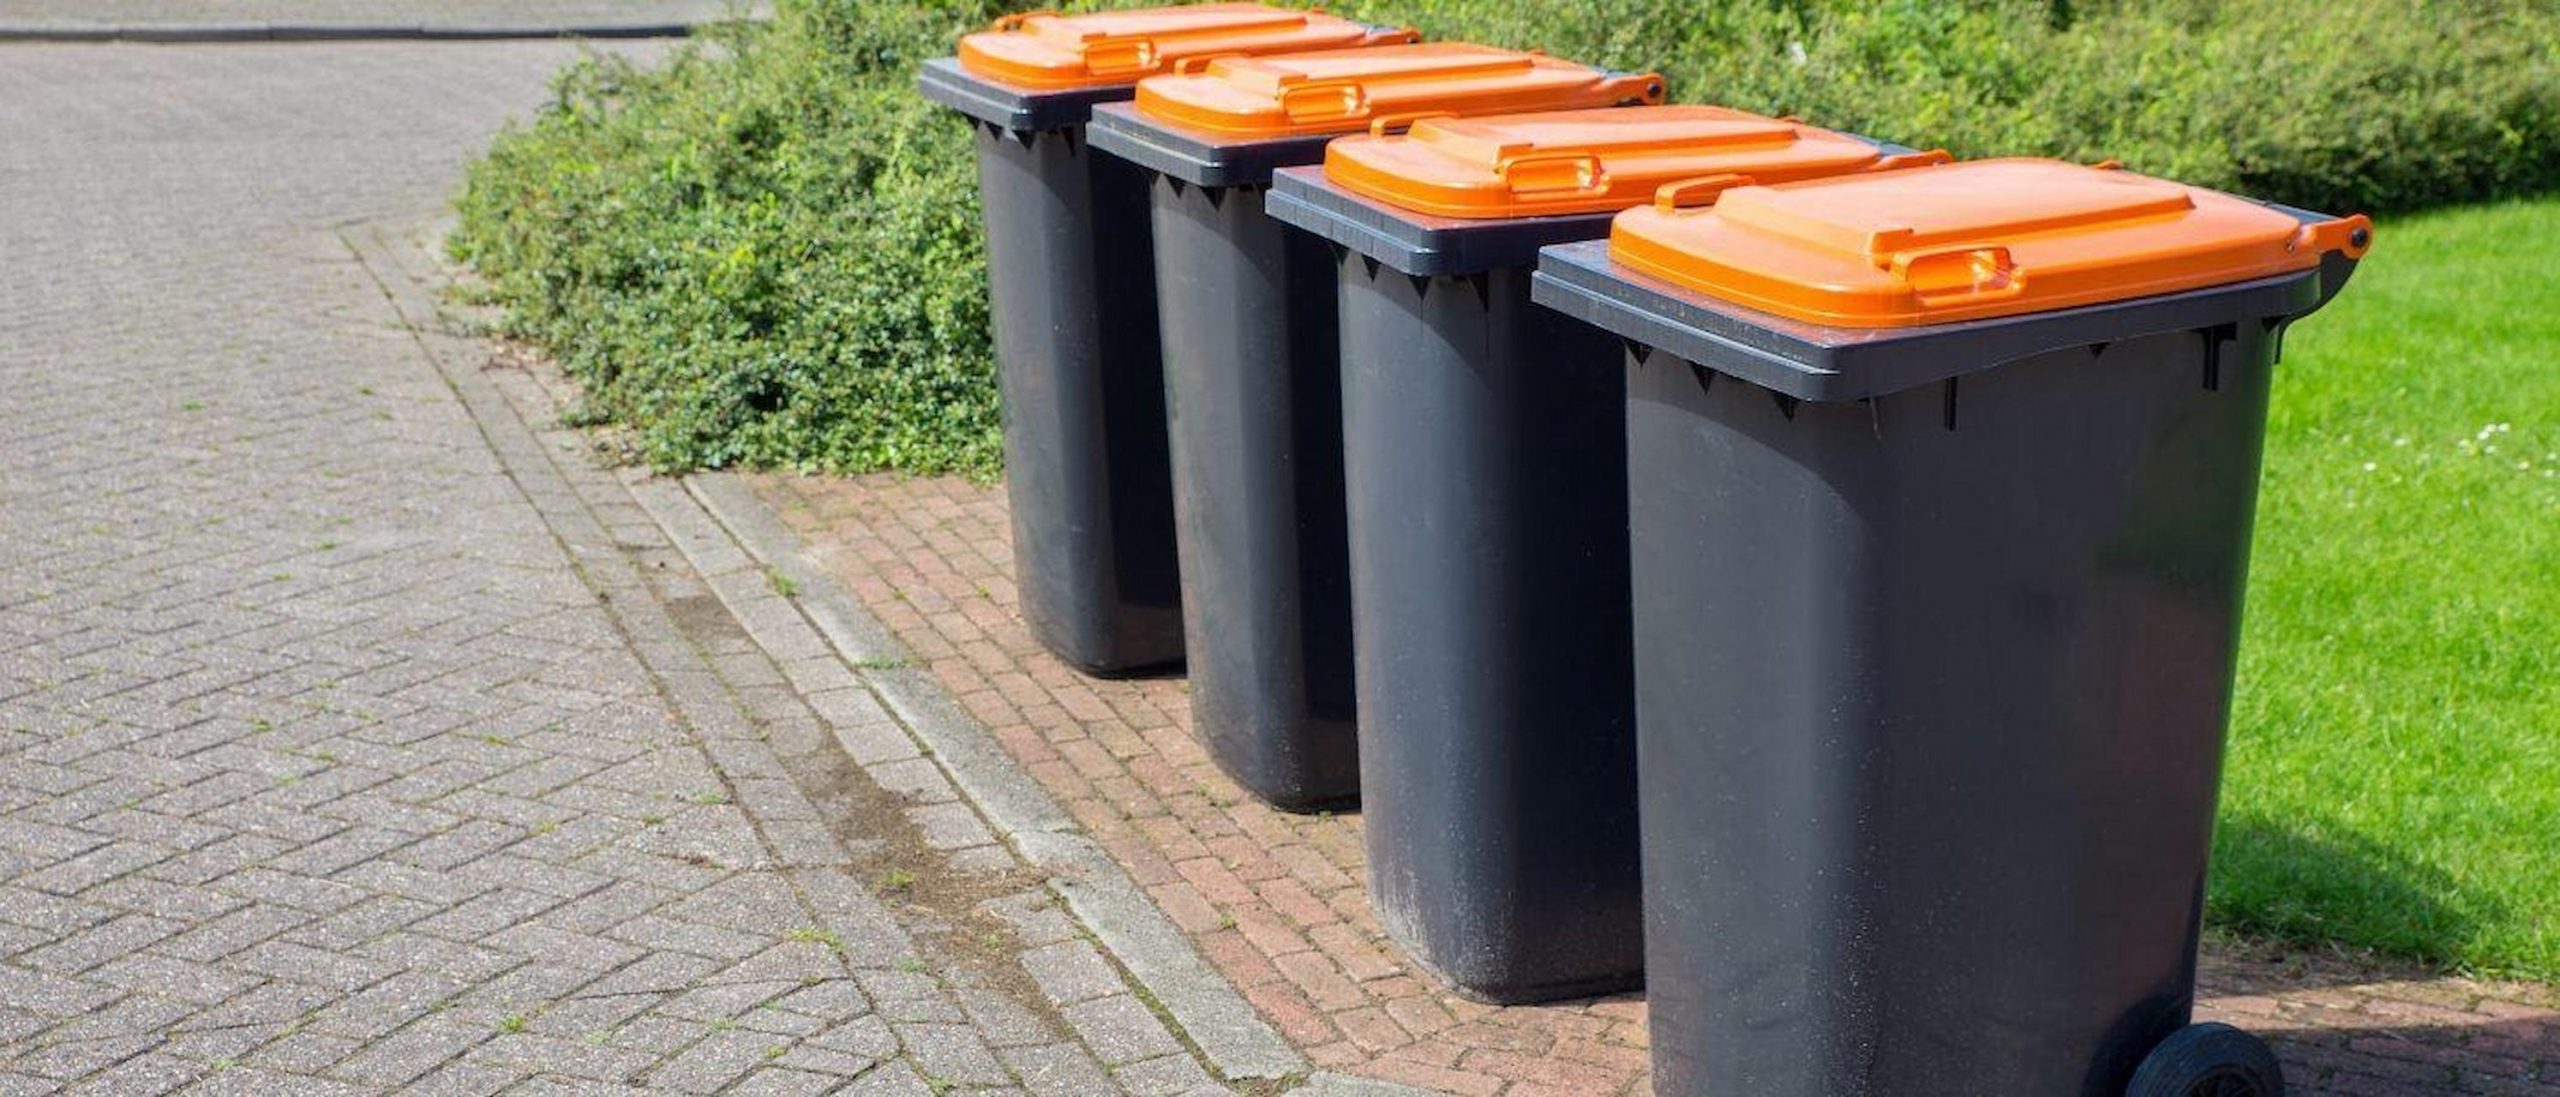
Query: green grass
(2394, 774)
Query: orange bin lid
(1047, 50)
(1589, 161)
(1967, 240)
(1336, 91)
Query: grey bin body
(1071, 289)
(1255, 413)
(1934, 634)
(1484, 446)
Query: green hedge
(764, 253)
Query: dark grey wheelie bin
(1251, 376)
(1485, 467)
(1940, 488)
(1071, 286)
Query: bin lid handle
(2349, 236)
(1958, 273)
(1017, 19)
(1384, 124)
(1696, 191)
(1120, 57)
(1324, 100)
(1556, 171)
(1899, 161)
(1185, 66)
(1632, 87)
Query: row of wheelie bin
(1795, 573)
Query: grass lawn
(2394, 775)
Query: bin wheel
(2208, 1060)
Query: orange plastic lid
(1589, 161)
(1334, 91)
(1965, 241)
(1049, 50)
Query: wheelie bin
(1485, 467)
(1252, 381)
(1070, 283)
(1940, 489)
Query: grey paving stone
(68, 1062)
(306, 1052)
(1035, 915)
(464, 1079)
(51, 995)
(398, 1057)
(362, 748)
(780, 1081)
(1072, 971)
(141, 1076)
(1121, 1030)
(917, 778)
(1059, 1070)
(950, 826)
(713, 1063)
(99, 944)
(1165, 1077)
(891, 1079)
(1004, 1022)
(186, 980)
(829, 1000)
(951, 1053)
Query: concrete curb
(1102, 896)
(207, 33)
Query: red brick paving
(1277, 902)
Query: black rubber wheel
(2208, 1060)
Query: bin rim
(1419, 244)
(1337, 92)
(1424, 243)
(1587, 160)
(1832, 364)
(1054, 51)
(1195, 158)
(1968, 240)
(1005, 106)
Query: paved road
(467, 13)
(357, 732)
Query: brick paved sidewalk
(359, 732)
(1277, 901)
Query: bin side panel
(1932, 692)
(1254, 392)
(1484, 443)
(1071, 286)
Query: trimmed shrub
(765, 252)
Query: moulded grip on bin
(1935, 622)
